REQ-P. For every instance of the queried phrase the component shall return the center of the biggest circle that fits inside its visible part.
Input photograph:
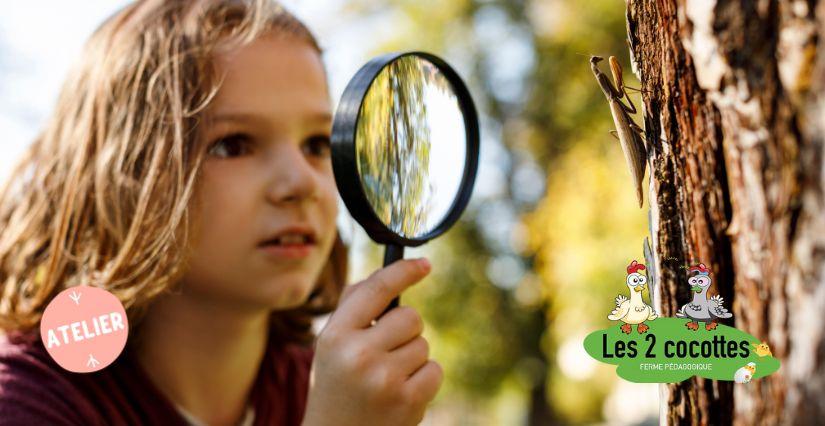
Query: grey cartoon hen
(702, 308)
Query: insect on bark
(629, 134)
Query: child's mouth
(289, 246)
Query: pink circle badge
(84, 328)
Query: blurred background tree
(536, 260)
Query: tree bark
(734, 114)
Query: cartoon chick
(745, 374)
(762, 349)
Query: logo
(84, 328)
(653, 349)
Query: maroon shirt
(34, 390)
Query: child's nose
(293, 177)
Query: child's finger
(411, 356)
(347, 291)
(396, 327)
(424, 383)
(373, 295)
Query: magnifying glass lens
(405, 149)
(411, 146)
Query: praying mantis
(629, 134)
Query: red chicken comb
(634, 267)
(700, 268)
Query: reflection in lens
(411, 146)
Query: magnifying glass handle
(392, 253)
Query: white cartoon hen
(634, 310)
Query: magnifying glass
(405, 149)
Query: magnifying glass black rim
(344, 163)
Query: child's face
(268, 168)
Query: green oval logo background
(660, 368)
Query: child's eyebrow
(324, 116)
(233, 116)
(242, 117)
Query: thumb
(366, 300)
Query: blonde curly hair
(102, 195)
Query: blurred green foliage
(539, 255)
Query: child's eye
(318, 145)
(229, 146)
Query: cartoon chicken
(634, 310)
(762, 349)
(701, 308)
(745, 374)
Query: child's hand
(373, 375)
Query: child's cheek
(331, 205)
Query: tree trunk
(734, 114)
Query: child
(186, 169)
